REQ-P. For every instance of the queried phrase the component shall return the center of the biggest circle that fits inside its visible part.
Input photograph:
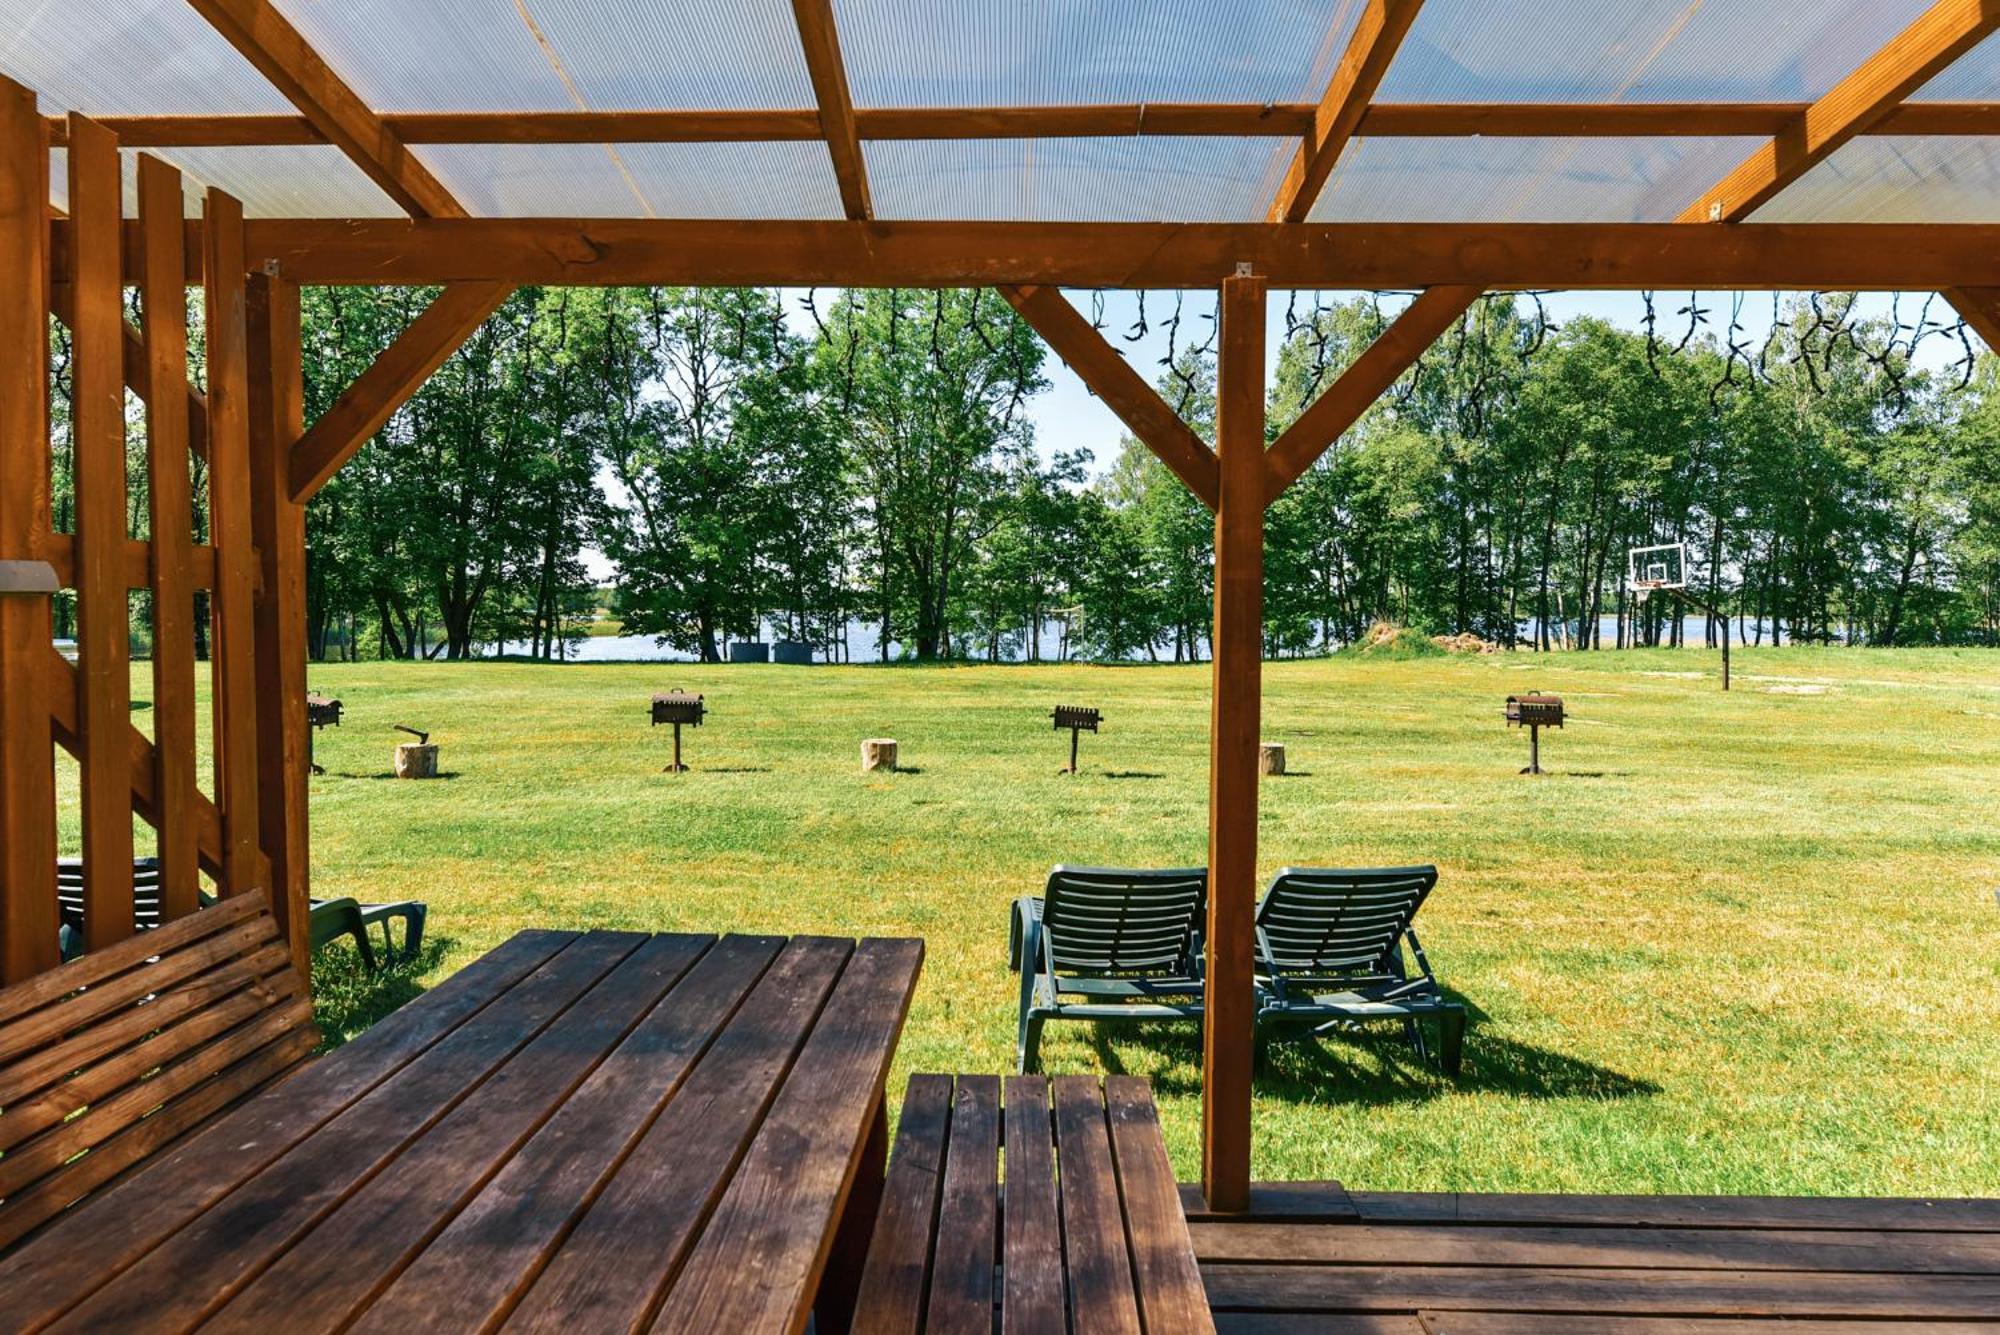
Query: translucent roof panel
(1152, 179)
(1897, 179)
(954, 53)
(1638, 50)
(1973, 77)
(784, 180)
(130, 58)
(1524, 180)
(306, 181)
(559, 55)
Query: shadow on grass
(347, 997)
(1373, 1065)
(390, 774)
(733, 769)
(1132, 774)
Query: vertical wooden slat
(277, 417)
(97, 425)
(232, 640)
(1237, 652)
(27, 746)
(163, 309)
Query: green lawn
(1742, 943)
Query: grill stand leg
(1072, 752)
(1534, 749)
(677, 767)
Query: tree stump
(878, 753)
(417, 760)
(1271, 758)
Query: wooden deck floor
(1314, 1257)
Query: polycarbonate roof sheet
(1008, 53)
(1897, 179)
(1524, 180)
(1638, 50)
(781, 180)
(1973, 77)
(1152, 179)
(559, 55)
(130, 58)
(270, 181)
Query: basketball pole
(1721, 621)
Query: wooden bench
(1085, 1228)
(107, 1059)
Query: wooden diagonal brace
(1341, 404)
(385, 386)
(1109, 376)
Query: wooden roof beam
(1124, 391)
(1340, 405)
(1377, 35)
(608, 252)
(1980, 308)
(1442, 120)
(821, 41)
(1943, 33)
(387, 384)
(268, 41)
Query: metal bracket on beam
(27, 578)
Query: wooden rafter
(1428, 120)
(618, 252)
(1980, 308)
(821, 41)
(1123, 390)
(1340, 405)
(395, 375)
(269, 41)
(1943, 33)
(1377, 35)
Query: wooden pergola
(247, 827)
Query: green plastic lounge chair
(1330, 952)
(1107, 944)
(331, 918)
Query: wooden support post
(233, 641)
(1228, 1036)
(284, 742)
(95, 281)
(27, 751)
(163, 318)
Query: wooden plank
(200, 813)
(1123, 390)
(28, 923)
(1682, 1293)
(1095, 1248)
(268, 41)
(1125, 120)
(471, 1274)
(1372, 45)
(1274, 1202)
(380, 1229)
(968, 1229)
(397, 373)
(133, 352)
(1235, 699)
(96, 1240)
(209, 1258)
(1341, 404)
(1569, 1247)
(839, 1284)
(97, 427)
(1031, 1264)
(278, 530)
(170, 501)
(1873, 1213)
(1169, 1282)
(614, 1265)
(1979, 307)
(896, 1279)
(621, 252)
(135, 563)
(788, 1194)
(820, 39)
(233, 644)
(1318, 1323)
(1937, 37)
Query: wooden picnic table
(580, 1131)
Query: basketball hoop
(1660, 567)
